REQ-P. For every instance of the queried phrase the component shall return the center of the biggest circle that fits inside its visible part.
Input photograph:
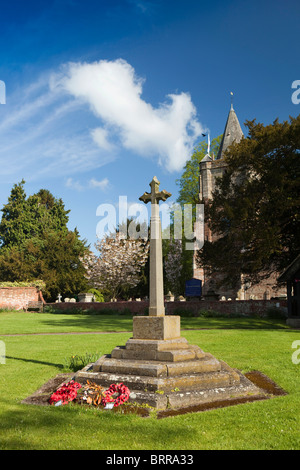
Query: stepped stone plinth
(165, 373)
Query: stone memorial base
(161, 369)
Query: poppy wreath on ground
(123, 396)
(66, 393)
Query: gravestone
(170, 297)
(160, 367)
(85, 297)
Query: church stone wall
(246, 307)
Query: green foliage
(36, 244)
(56, 258)
(255, 209)
(27, 218)
(98, 296)
(77, 362)
(36, 283)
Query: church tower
(210, 169)
(232, 133)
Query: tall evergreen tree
(15, 225)
(26, 218)
(37, 244)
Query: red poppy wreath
(123, 396)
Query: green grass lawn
(246, 344)
(34, 322)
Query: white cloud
(70, 183)
(93, 183)
(100, 137)
(103, 184)
(42, 135)
(113, 91)
(47, 129)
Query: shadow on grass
(32, 427)
(20, 430)
(88, 322)
(34, 361)
(123, 323)
(249, 323)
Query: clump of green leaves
(77, 362)
(98, 296)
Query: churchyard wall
(247, 307)
(17, 297)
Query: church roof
(290, 271)
(232, 133)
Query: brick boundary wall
(247, 307)
(17, 297)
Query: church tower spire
(232, 132)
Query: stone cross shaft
(156, 294)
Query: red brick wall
(17, 297)
(248, 307)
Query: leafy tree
(37, 244)
(58, 263)
(98, 296)
(255, 210)
(14, 265)
(55, 258)
(26, 218)
(14, 223)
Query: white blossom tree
(118, 265)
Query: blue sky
(103, 95)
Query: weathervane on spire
(208, 143)
(231, 99)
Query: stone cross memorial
(156, 294)
(159, 366)
(163, 327)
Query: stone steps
(155, 368)
(156, 350)
(172, 355)
(157, 345)
(145, 383)
(178, 391)
(166, 372)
